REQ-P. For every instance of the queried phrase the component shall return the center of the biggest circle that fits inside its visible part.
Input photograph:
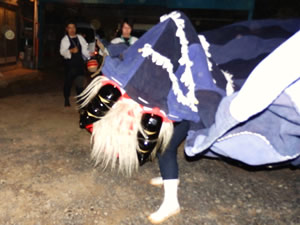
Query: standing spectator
(126, 38)
(73, 48)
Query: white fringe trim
(230, 84)
(160, 60)
(205, 46)
(227, 75)
(186, 78)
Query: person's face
(126, 30)
(71, 29)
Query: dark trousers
(168, 160)
(75, 75)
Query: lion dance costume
(171, 74)
(131, 109)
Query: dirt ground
(47, 177)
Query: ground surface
(47, 178)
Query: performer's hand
(74, 50)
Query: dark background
(107, 17)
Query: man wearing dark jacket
(73, 48)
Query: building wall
(10, 2)
(8, 20)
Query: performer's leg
(67, 86)
(169, 170)
(73, 73)
(79, 84)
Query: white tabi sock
(170, 205)
(158, 181)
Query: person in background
(125, 37)
(74, 49)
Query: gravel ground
(47, 177)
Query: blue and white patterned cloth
(165, 68)
(202, 79)
(260, 124)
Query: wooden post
(35, 35)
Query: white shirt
(65, 44)
(119, 40)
